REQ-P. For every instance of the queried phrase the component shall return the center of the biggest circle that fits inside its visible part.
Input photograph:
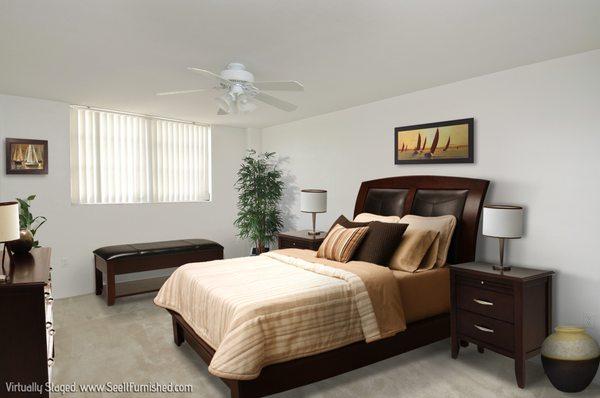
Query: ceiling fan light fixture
(243, 92)
(244, 104)
(227, 103)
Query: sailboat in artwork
(31, 159)
(418, 147)
(434, 144)
(447, 145)
(18, 157)
(424, 144)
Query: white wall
(537, 138)
(74, 231)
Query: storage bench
(138, 257)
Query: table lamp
(313, 201)
(502, 222)
(9, 228)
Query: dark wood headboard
(430, 196)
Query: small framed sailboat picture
(442, 142)
(26, 156)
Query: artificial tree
(260, 190)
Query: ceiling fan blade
(291, 85)
(276, 102)
(183, 91)
(210, 74)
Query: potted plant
(28, 225)
(260, 189)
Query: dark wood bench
(137, 257)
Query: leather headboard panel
(385, 202)
(441, 202)
(430, 196)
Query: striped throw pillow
(340, 243)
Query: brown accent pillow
(380, 243)
(443, 224)
(340, 243)
(413, 248)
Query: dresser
(26, 324)
(506, 312)
(300, 240)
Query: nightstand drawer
(484, 282)
(293, 244)
(486, 302)
(487, 330)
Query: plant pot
(255, 251)
(23, 244)
(570, 358)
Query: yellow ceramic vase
(570, 357)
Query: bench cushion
(153, 248)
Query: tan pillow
(430, 257)
(443, 224)
(368, 217)
(340, 243)
(413, 248)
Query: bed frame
(421, 195)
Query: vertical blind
(123, 158)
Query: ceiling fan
(242, 90)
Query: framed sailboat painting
(441, 142)
(26, 156)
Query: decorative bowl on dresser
(26, 326)
(300, 240)
(507, 312)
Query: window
(124, 158)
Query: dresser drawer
(485, 329)
(486, 302)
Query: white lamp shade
(313, 201)
(503, 221)
(9, 221)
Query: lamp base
(502, 267)
(314, 233)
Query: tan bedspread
(424, 294)
(255, 311)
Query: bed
(422, 324)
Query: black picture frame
(11, 168)
(470, 122)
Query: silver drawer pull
(50, 362)
(484, 329)
(483, 302)
(51, 332)
(48, 325)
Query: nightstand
(300, 240)
(507, 312)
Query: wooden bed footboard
(302, 371)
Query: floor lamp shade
(313, 201)
(9, 221)
(502, 221)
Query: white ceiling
(117, 54)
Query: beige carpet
(132, 342)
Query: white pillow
(368, 217)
